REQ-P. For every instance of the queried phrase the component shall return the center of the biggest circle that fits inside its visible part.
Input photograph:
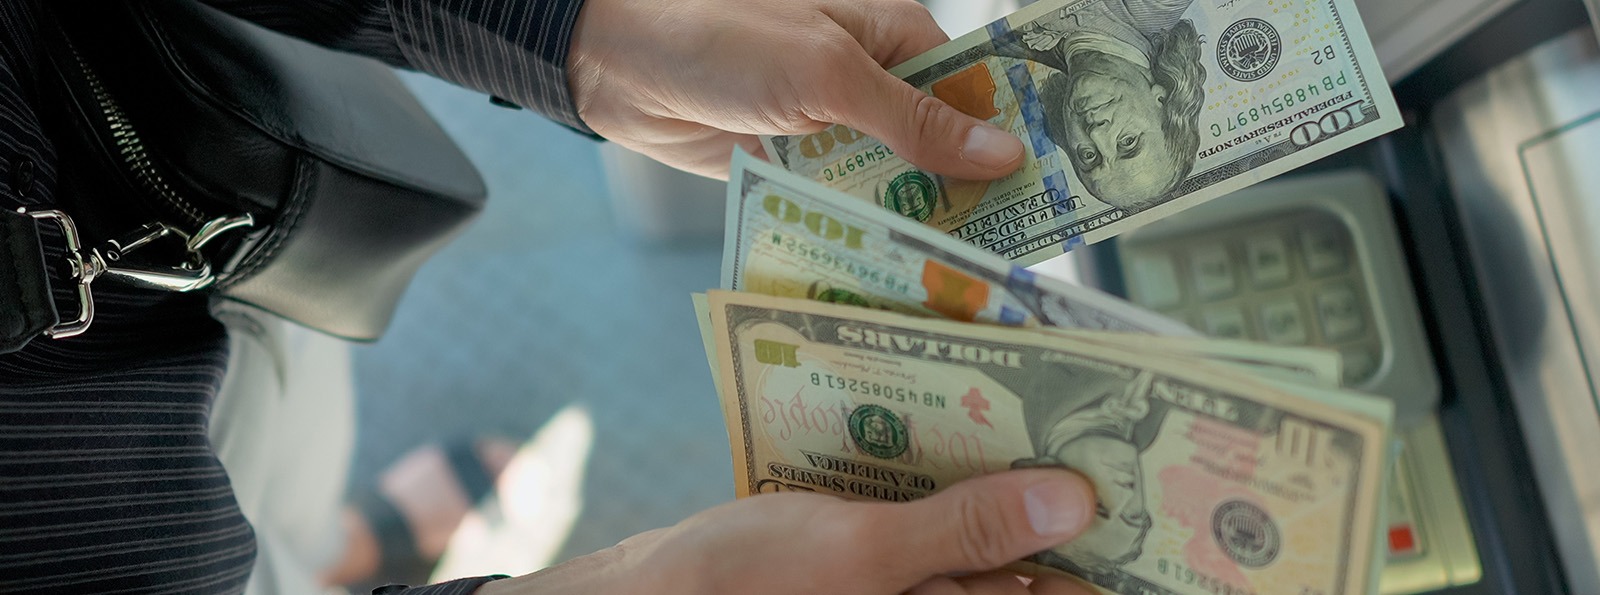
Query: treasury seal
(1246, 533)
(1247, 50)
(912, 194)
(878, 432)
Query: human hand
(809, 543)
(685, 81)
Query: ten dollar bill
(1207, 480)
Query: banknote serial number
(1280, 104)
(874, 389)
(1187, 575)
(858, 161)
(824, 256)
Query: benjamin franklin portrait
(1124, 102)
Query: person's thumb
(926, 131)
(987, 522)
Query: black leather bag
(196, 122)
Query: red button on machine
(1402, 540)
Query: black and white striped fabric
(108, 483)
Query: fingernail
(990, 147)
(1056, 508)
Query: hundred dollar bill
(1304, 365)
(1208, 482)
(789, 237)
(1130, 110)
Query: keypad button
(1227, 323)
(1340, 314)
(1360, 363)
(1155, 282)
(1269, 260)
(1324, 250)
(1213, 272)
(1282, 322)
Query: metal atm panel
(1522, 147)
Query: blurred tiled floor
(543, 303)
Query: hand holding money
(1220, 466)
(1208, 480)
(806, 544)
(769, 67)
(1130, 110)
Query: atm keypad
(1311, 261)
(1290, 280)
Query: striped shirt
(108, 483)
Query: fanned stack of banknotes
(877, 336)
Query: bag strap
(26, 308)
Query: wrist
(593, 57)
(612, 570)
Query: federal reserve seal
(1247, 50)
(878, 432)
(912, 194)
(1246, 533)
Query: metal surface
(1407, 33)
(1522, 145)
(193, 274)
(175, 279)
(84, 269)
(1594, 15)
(215, 228)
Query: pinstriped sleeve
(512, 49)
(456, 587)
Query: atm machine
(1455, 264)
